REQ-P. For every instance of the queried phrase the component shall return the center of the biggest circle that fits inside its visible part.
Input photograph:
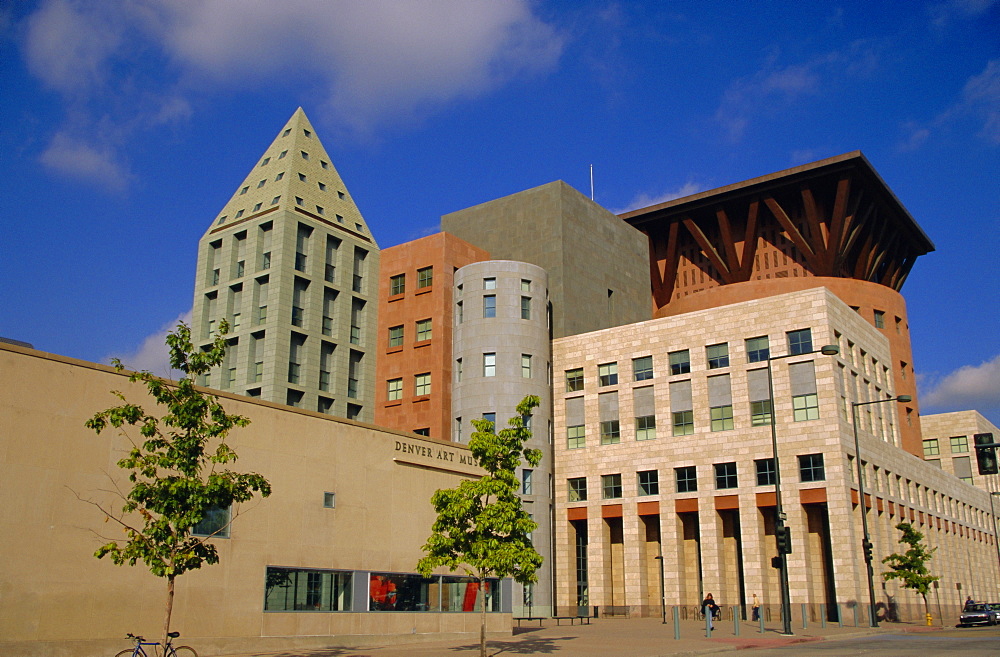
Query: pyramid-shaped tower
(291, 264)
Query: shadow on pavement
(528, 645)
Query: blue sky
(127, 125)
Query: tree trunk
(170, 609)
(482, 624)
(927, 605)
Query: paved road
(981, 642)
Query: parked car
(980, 613)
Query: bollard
(840, 616)
(855, 608)
(708, 620)
(822, 615)
(736, 620)
(677, 624)
(805, 618)
(760, 619)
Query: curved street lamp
(779, 521)
(866, 543)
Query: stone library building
(719, 374)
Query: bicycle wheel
(126, 653)
(184, 651)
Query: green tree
(176, 467)
(481, 526)
(911, 567)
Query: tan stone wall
(57, 598)
(826, 564)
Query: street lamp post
(866, 543)
(779, 513)
(993, 514)
(663, 597)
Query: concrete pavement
(635, 637)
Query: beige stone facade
(696, 489)
(949, 444)
(56, 598)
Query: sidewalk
(636, 637)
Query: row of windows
(424, 330)
(725, 476)
(425, 279)
(804, 407)
(959, 445)
(301, 589)
(421, 386)
(489, 366)
(717, 356)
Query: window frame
(764, 471)
(686, 479)
(688, 426)
(680, 362)
(714, 356)
(645, 427)
(422, 384)
(611, 486)
(649, 484)
(396, 340)
(425, 277)
(574, 378)
(394, 389)
(805, 407)
(576, 489)
(726, 475)
(799, 341)
(809, 470)
(640, 371)
(611, 432)
(489, 306)
(576, 436)
(424, 328)
(756, 353)
(607, 374)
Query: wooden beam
(732, 260)
(838, 220)
(793, 233)
(750, 239)
(708, 250)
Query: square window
(765, 471)
(718, 355)
(489, 364)
(525, 307)
(577, 489)
(722, 418)
(687, 479)
(811, 468)
(645, 427)
(683, 422)
(931, 447)
(649, 482)
(215, 523)
(611, 486)
(805, 407)
(725, 475)
(396, 336)
(395, 389)
(423, 330)
(610, 432)
(489, 305)
(575, 437)
(422, 384)
(680, 362)
(574, 380)
(397, 284)
(800, 342)
(489, 283)
(642, 368)
(525, 366)
(526, 481)
(607, 374)
(760, 413)
(758, 349)
(959, 444)
(425, 277)
(525, 285)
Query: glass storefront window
(405, 592)
(299, 589)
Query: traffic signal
(867, 545)
(783, 536)
(986, 456)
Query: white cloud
(955, 10)
(967, 388)
(979, 102)
(152, 354)
(368, 62)
(84, 161)
(644, 199)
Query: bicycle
(168, 651)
